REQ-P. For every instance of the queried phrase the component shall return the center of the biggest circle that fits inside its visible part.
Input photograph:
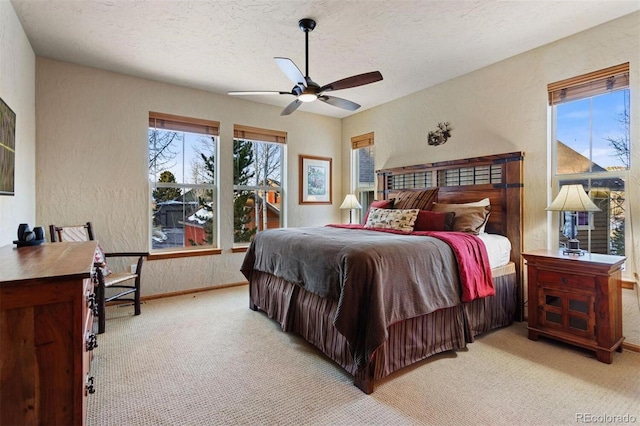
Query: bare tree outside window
(163, 150)
(621, 142)
(621, 145)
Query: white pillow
(397, 219)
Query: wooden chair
(127, 282)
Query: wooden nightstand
(576, 299)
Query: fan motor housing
(307, 24)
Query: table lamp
(350, 202)
(574, 199)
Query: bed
(359, 331)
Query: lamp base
(575, 252)
(573, 247)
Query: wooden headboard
(498, 177)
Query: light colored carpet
(207, 359)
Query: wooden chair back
(73, 233)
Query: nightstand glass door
(572, 312)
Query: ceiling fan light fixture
(307, 97)
(306, 90)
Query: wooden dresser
(576, 299)
(46, 333)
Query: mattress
(498, 249)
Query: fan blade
(353, 81)
(339, 102)
(291, 70)
(291, 107)
(257, 92)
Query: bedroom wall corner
(17, 90)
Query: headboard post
(498, 177)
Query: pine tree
(205, 201)
(243, 201)
(166, 194)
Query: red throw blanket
(470, 252)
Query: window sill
(159, 255)
(628, 283)
(240, 249)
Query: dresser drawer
(563, 280)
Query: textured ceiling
(226, 45)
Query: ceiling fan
(307, 90)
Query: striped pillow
(421, 200)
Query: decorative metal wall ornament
(439, 136)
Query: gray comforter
(377, 278)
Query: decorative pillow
(99, 257)
(421, 200)
(400, 220)
(381, 204)
(434, 221)
(483, 202)
(467, 219)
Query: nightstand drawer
(563, 280)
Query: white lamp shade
(573, 198)
(350, 202)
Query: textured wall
(17, 89)
(503, 108)
(92, 162)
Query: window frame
(207, 128)
(358, 143)
(262, 136)
(587, 86)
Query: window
(364, 175)
(591, 146)
(182, 175)
(258, 171)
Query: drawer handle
(92, 342)
(89, 386)
(93, 306)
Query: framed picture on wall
(315, 180)
(7, 149)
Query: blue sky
(593, 119)
(188, 145)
